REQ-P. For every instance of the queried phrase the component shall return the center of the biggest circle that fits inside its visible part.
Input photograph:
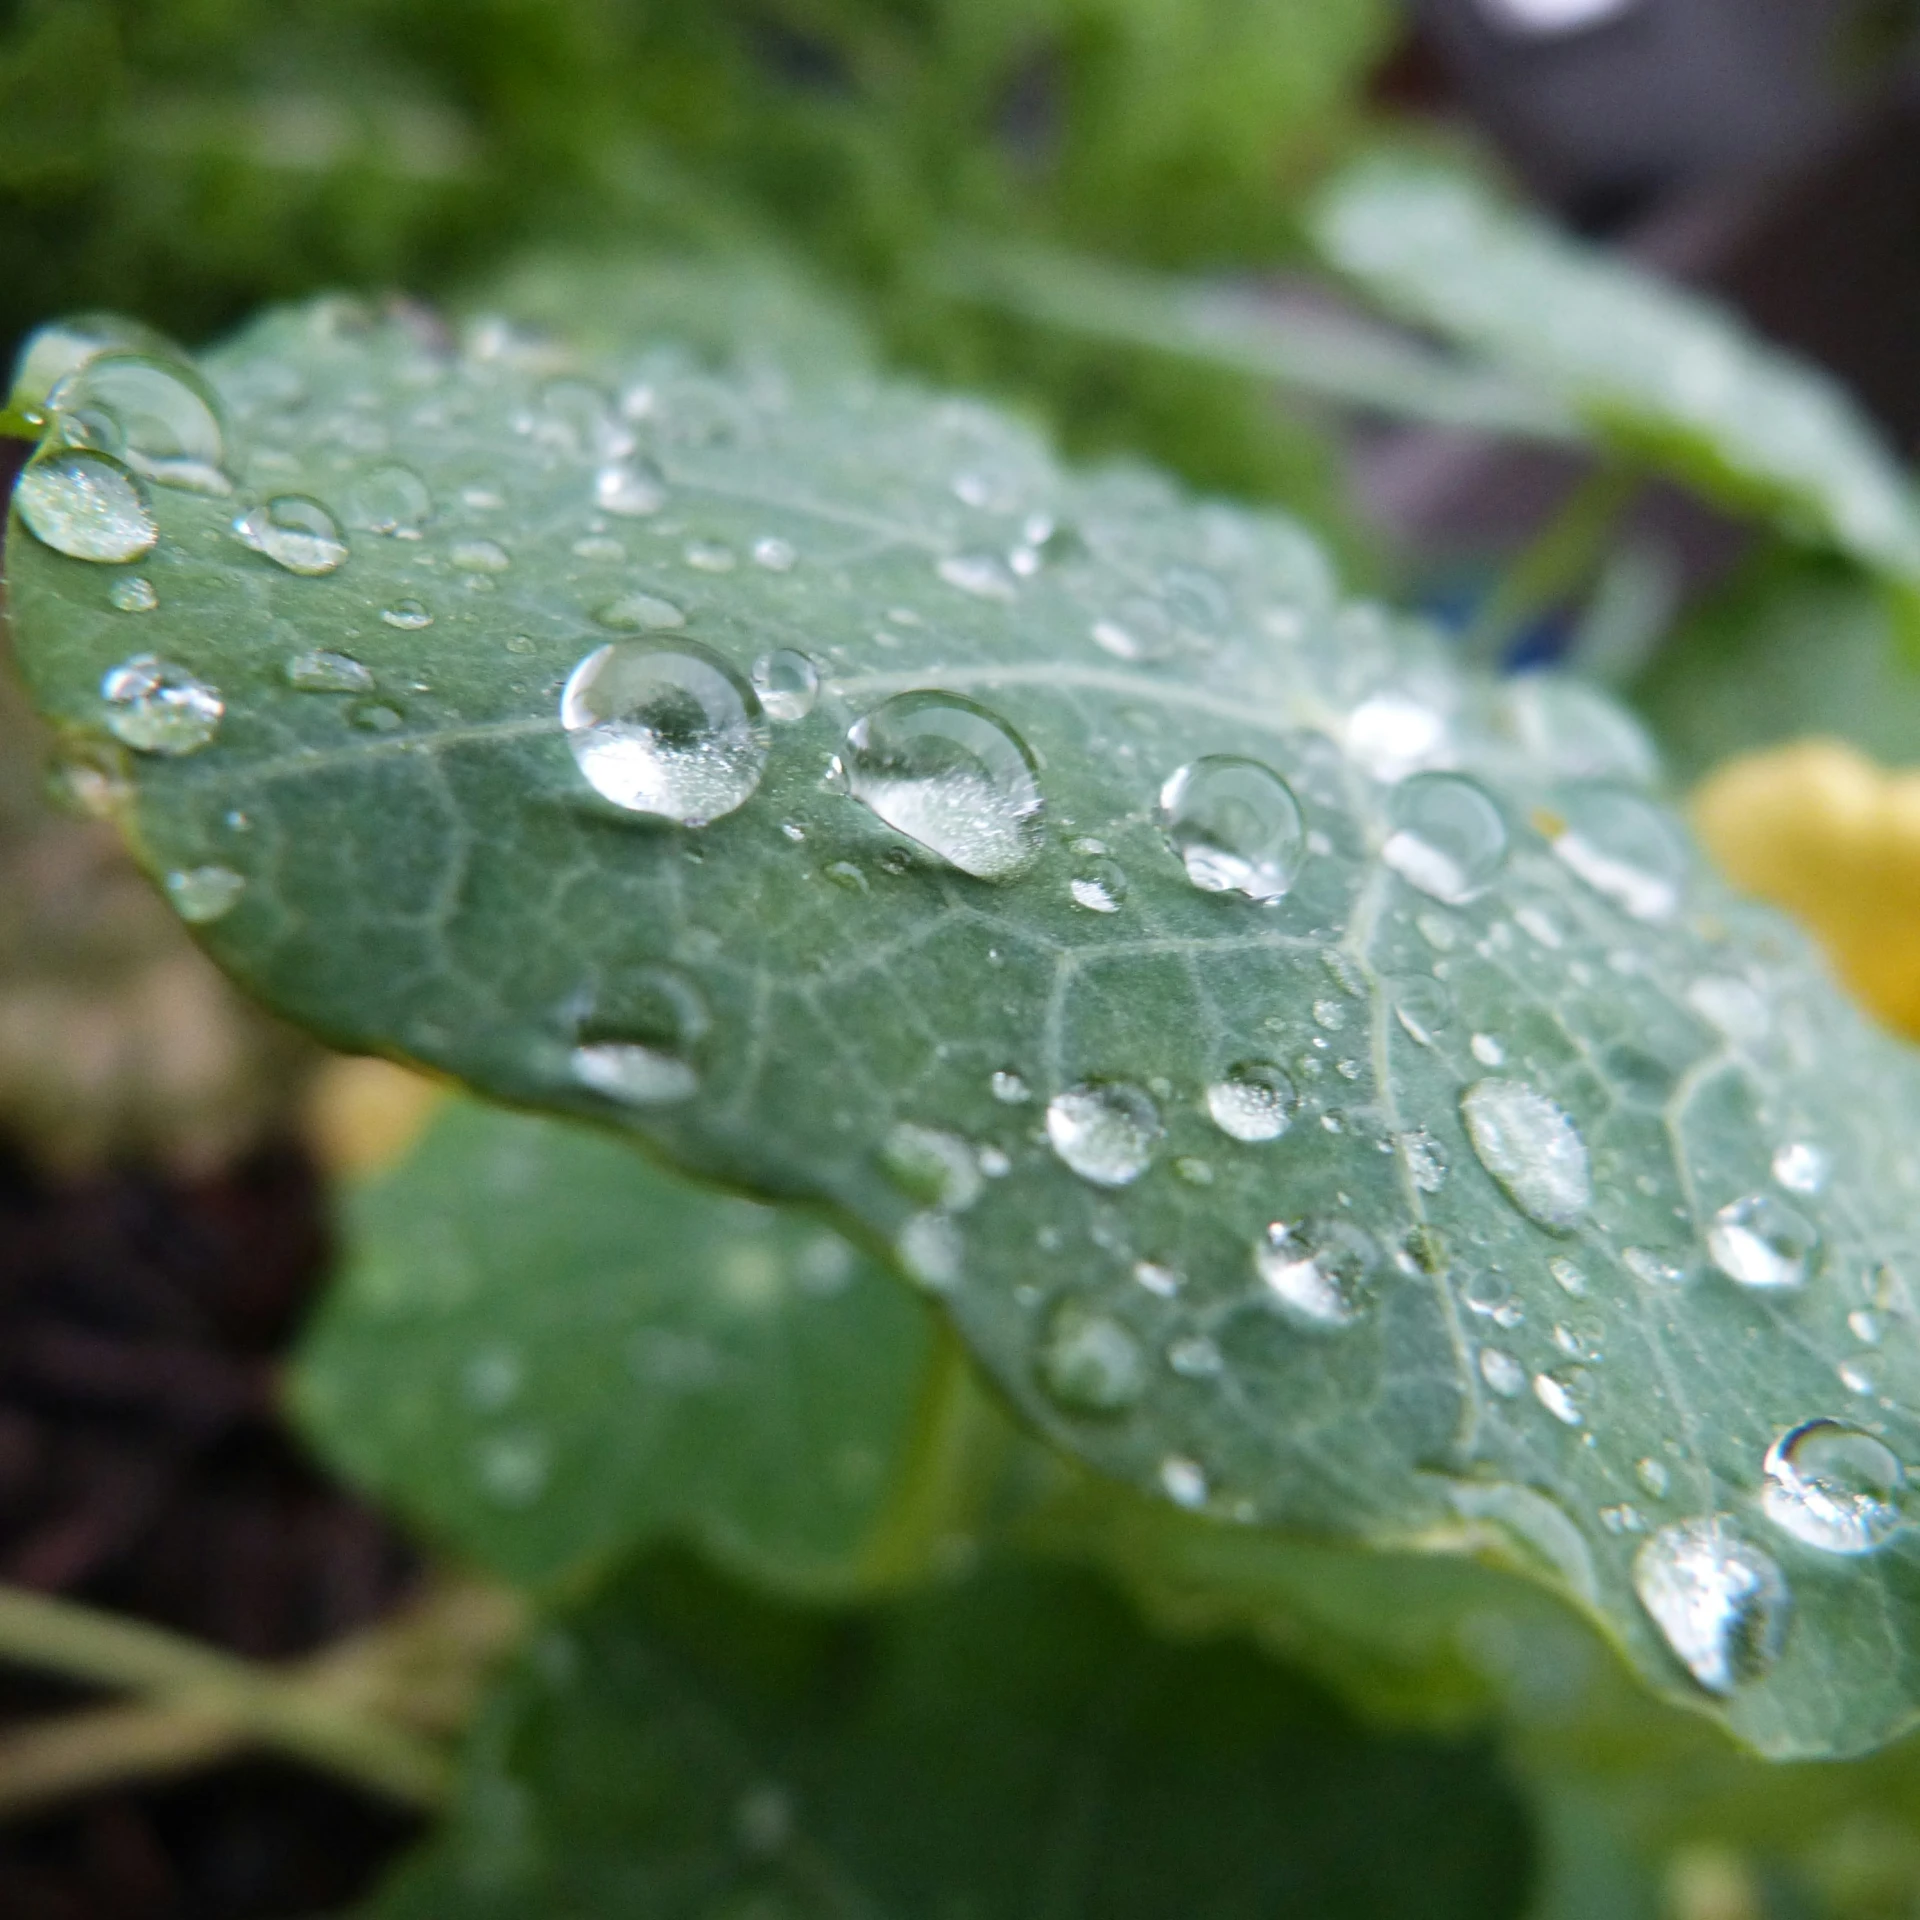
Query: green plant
(1387, 1223)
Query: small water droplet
(787, 682)
(640, 613)
(1653, 1475)
(1569, 1277)
(87, 506)
(319, 670)
(1540, 927)
(479, 556)
(1559, 1393)
(1425, 1161)
(1193, 1170)
(155, 413)
(710, 556)
(1159, 1279)
(1834, 1488)
(294, 532)
(375, 716)
(1449, 837)
(514, 1468)
(408, 615)
(934, 1168)
(1864, 1326)
(1624, 847)
(1801, 1168)
(1195, 1358)
(1319, 1274)
(157, 707)
(665, 728)
(1651, 1268)
(1100, 885)
(1487, 1050)
(1733, 1006)
(1503, 1373)
(1236, 827)
(1090, 1363)
(204, 894)
(1105, 1131)
(133, 593)
(1009, 1088)
(1762, 1243)
(1254, 1101)
(1532, 1148)
(1423, 1009)
(979, 574)
(931, 1251)
(634, 1075)
(491, 1379)
(1183, 1481)
(950, 775)
(631, 489)
(390, 499)
(1722, 1605)
(775, 554)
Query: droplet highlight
(1761, 1243)
(157, 707)
(1722, 1605)
(1834, 1488)
(1105, 1131)
(1236, 827)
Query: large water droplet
(64, 346)
(391, 499)
(203, 894)
(1236, 827)
(319, 670)
(1762, 1242)
(1622, 846)
(1531, 1147)
(1253, 1101)
(158, 415)
(787, 682)
(1105, 1131)
(157, 707)
(666, 728)
(1834, 1487)
(1319, 1275)
(1090, 1363)
(634, 1075)
(87, 506)
(294, 532)
(1722, 1605)
(1449, 837)
(950, 775)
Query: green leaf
(548, 1353)
(1328, 356)
(1505, 1186)
(1016, 1745)
(1664, 375)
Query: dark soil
(143, 1468)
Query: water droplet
(1318, 1274)
(1650, 1268)
(156, 414)
(64, 346)
(1653, 1475)
(514, 1468)
(1090, 1363)
(630, 489)
(1624, 847)
(391, 500)
(640, 613)
(1834, 1487)
(1801, 1168)
(979, 574)
(1009, 1089)
(1540, 927)
(1733, 1006)
(480, 556)
(1722, 1605)
(133, 593)
(320, 671)
(1559, 1393)
(1159, 1279)
(1425, 1161)
(1390, 735)
(1196, 1358)
(1100, 886)
(1487, 1050)
(1762, 1243)
(1531, 1147)
(1576, 730)
(408, 615)
(1105, 1131)
(1254, 1101)
(950, 775)
(931, 1251)
(1183, 1481)
(775, 554)
(293, 532)
(1568, 1277)
(634, 1075)
(1423, 1009)
(1236, 827)
(710, 556)
(87, 506)
(933, 1168)
(1449, 837)
(787, 682)
(1193, 1170)
(665, 728)
(157, 707)
(203, 894)
(1864, 1326)
(1503, 1373)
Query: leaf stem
(202, 1693)
(1559, 558)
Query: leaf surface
(1014, 1745)
(1504, 1185)
(550, 1353)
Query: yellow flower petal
(364, 1114)
(1821, 830)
